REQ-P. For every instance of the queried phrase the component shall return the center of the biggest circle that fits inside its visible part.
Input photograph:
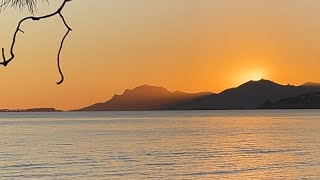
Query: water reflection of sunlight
(182, 145)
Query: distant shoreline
(34, 111)
(31, 110)
(252, 95)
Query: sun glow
(251, 74)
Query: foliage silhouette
(31, 6)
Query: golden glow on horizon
(252, 74)
(189, 45)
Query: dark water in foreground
(161, 145)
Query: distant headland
(262, 94)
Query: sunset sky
(187, 45)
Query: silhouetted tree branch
(30, 4)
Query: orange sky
(188, 45)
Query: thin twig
(34, 18)
(61, 46)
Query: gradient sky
(188, 45)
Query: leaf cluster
(31, 5)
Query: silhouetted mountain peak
(145, 90)
(265, 81)
(259, 83)
(145, 97)
(311, 84)
(149, 88)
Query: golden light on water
(182, 145)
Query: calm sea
(273, 144)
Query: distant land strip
(31, 110)
(262, 94)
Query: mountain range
(250, 95)
(145, 97)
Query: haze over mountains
(145, 98)
(309, 100)
(250, 95)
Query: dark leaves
(31, 5)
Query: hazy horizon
(191, 46)
(156, 86)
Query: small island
(31, 110)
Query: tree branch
(61, 46)
(34, 18)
